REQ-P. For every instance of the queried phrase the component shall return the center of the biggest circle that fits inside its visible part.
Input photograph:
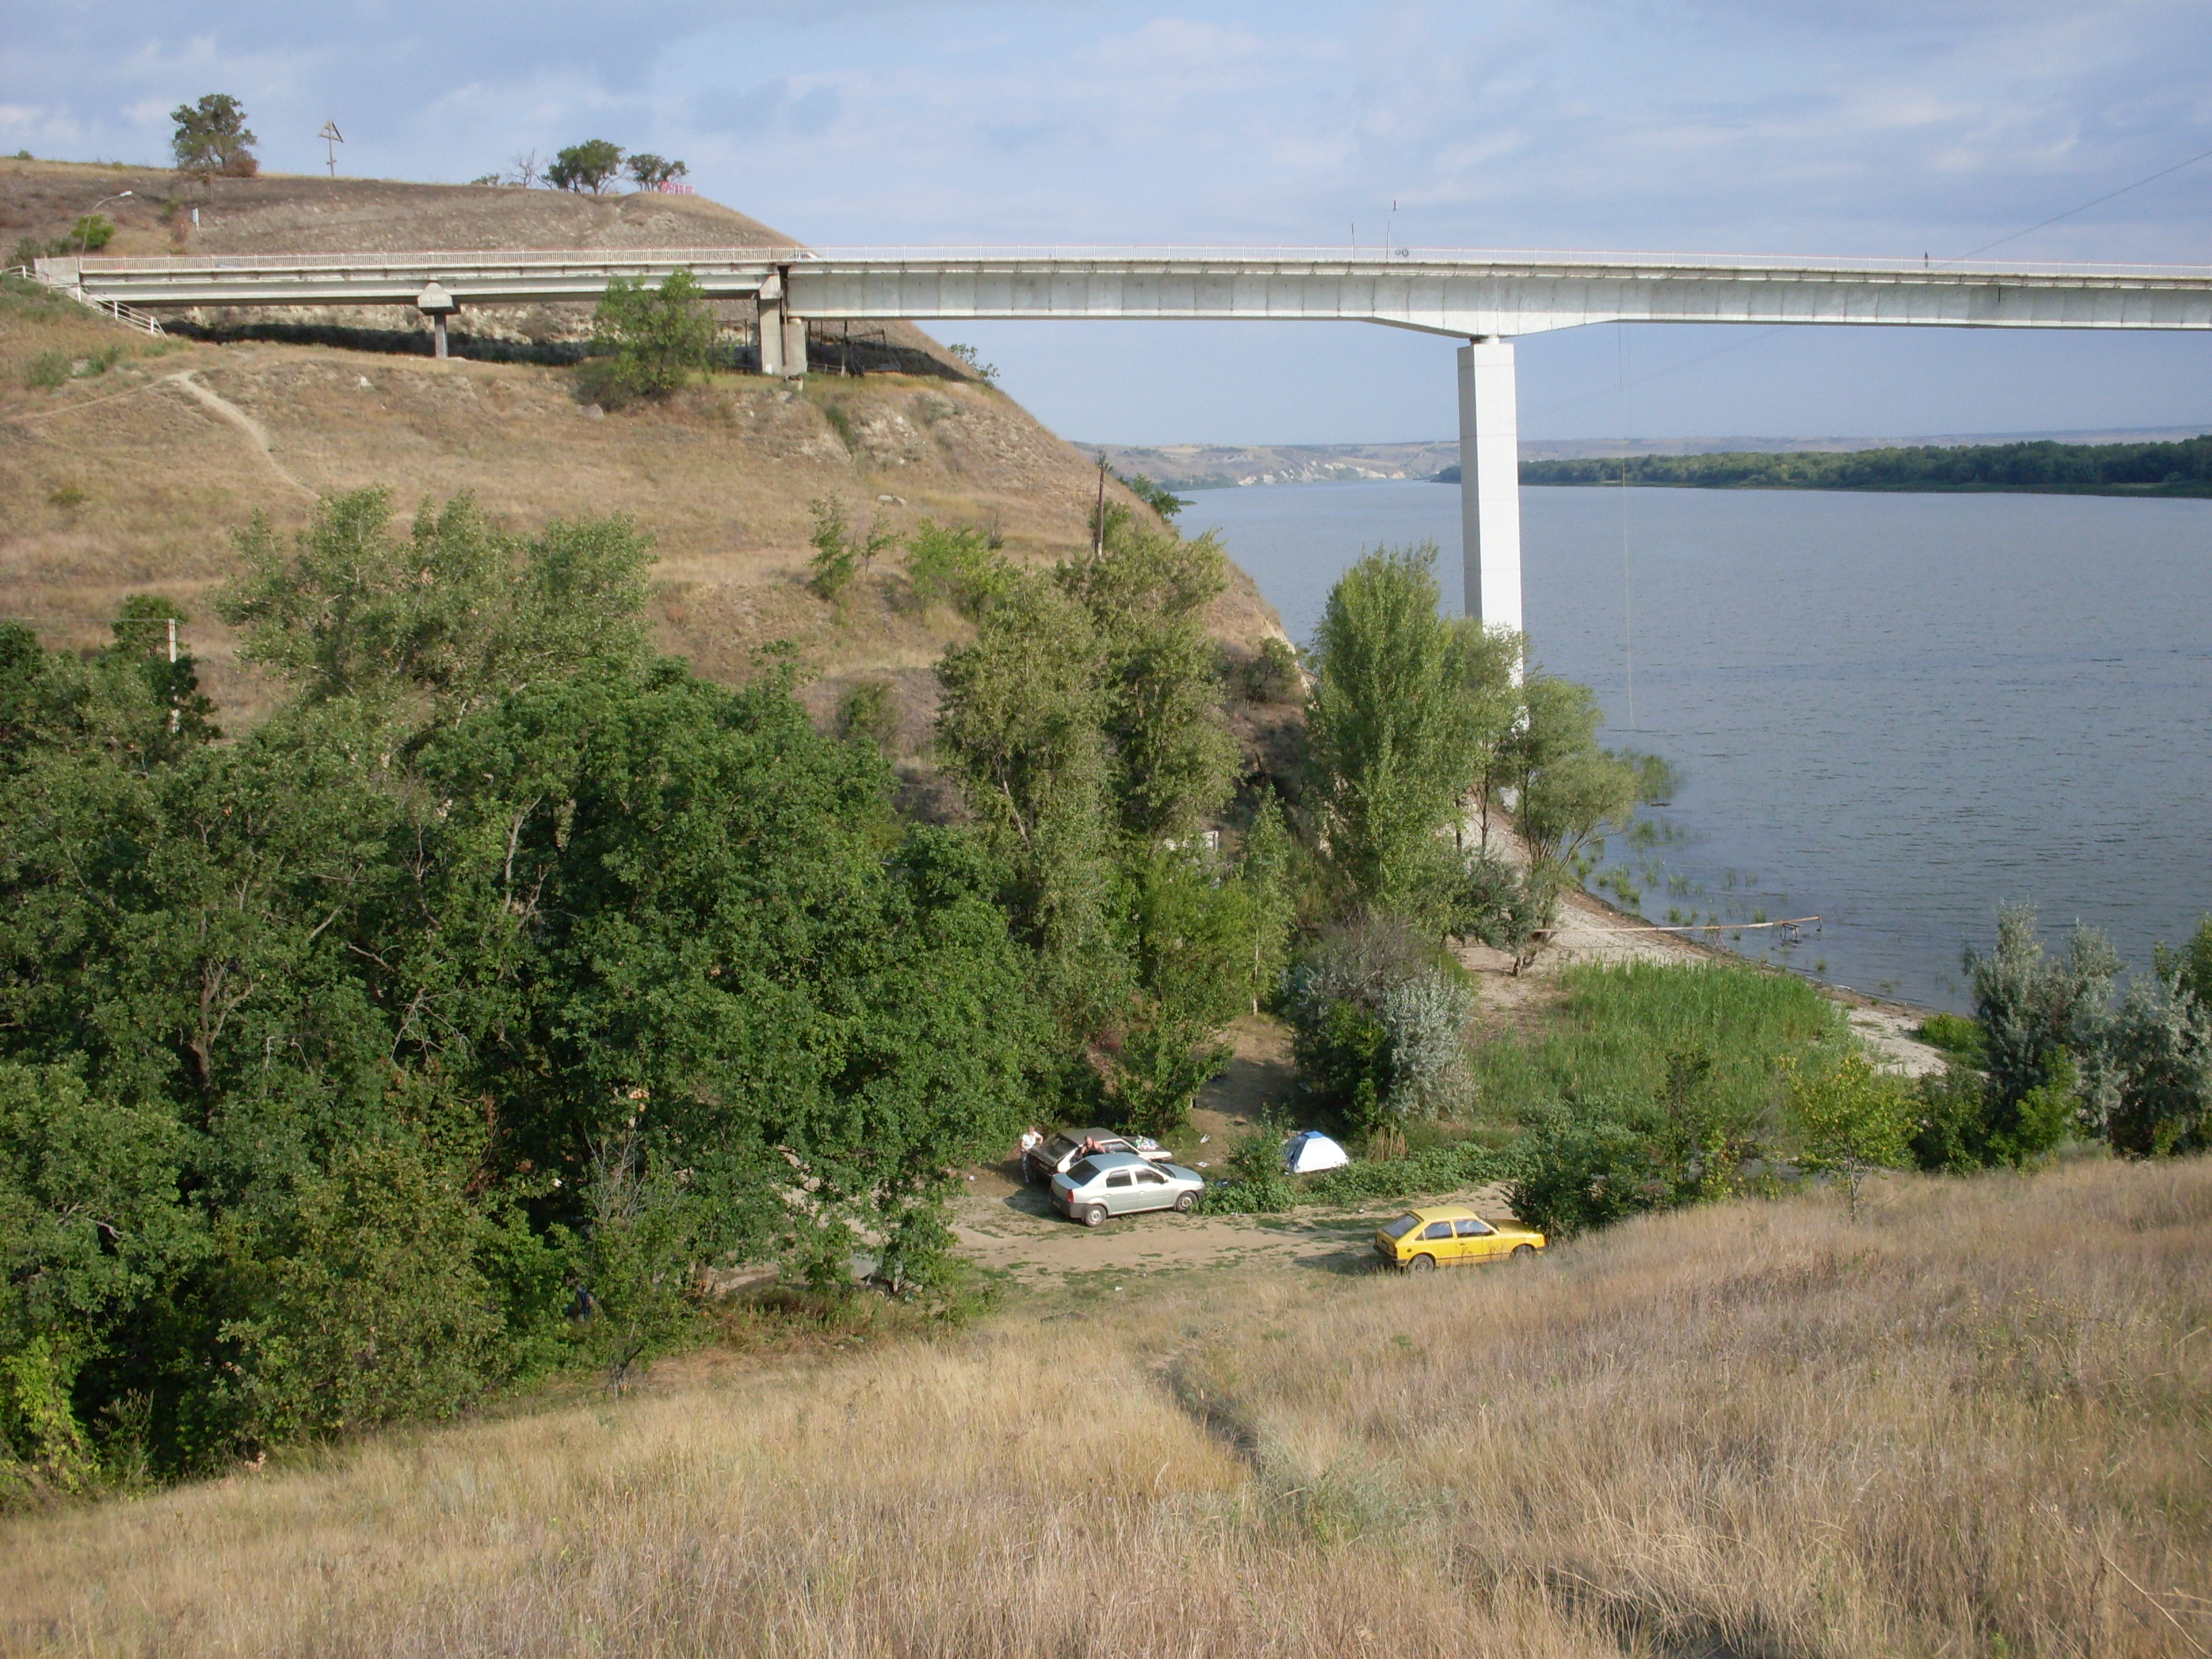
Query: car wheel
(1524, 1252)
(1183, 1202)
(1422, 1264)
(1095, 1216)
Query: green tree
(837, 557)
(954, 567)
(1021, 731)
(1157, 496)
(653, 171)
(1377, 1018)
(592, 166)
(397, 966)
(210, 138)
(451, 616)
(2158, 1051)
(2190, 967)
(1852, 1120)
(2042, 1020)
(653, 340)
(365, 1301)
(1385, 726)
(1146, 595)
(972, 360)
(92, 1224)
(1569, 790)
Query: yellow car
(1420, 1240)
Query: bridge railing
(1361, 259)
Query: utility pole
(1098, 513)
(331, 138)
(176, 715)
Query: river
(1892, 711)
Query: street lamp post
(84, 224)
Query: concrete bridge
(1483, 299)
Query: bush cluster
(461, 1019)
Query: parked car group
(1103, 1184)
(1054, 1154)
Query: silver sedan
(1121, 1184)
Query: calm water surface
(1893, 711)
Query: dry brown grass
(1976, 1423)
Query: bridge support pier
(437, 305)
(783, 336)
(1490, 481)
(768, 307)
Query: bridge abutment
(1490, 481)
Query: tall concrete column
(794, 345)
(1490, 481)
(437, 305)
(770, 305)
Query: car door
(1152, 1190)
(1438, 1240)
(1478, 1240)
(1120, 1192)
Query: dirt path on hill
(223, 410)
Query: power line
(2147, 178)
(1753, 339)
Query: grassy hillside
(1971, 1423)
(130, 477)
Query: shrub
(2159, 1049)
(1852, 1120)
(868, 713)
(652, 340)
(837, 557)
(1271, 674)
(48, 370)
(2042, 1018)
(1953, 1035)
(1946, 1137)
(944, 566)
(1579, 1175)
(90, 234)
(375, 1309)
(1377, 1020)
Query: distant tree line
(2181, 467)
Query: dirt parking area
(1007, 1226)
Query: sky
(1877, 127)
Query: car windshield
(1083, 1174)
(1401, 1226)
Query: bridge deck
(1442, 292)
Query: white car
(1122, 1183)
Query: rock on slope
(133, 478)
